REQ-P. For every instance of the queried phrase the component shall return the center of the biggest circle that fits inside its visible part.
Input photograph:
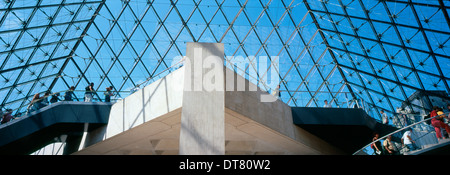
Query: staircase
(37, 129)
(346, 128)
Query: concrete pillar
(72, 144)
(202, 129)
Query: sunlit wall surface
(378, 51)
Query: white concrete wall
(152, 101)
(275, 115)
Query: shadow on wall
(151, 101)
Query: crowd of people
(38, 101)
(438, 121)
(388, 147)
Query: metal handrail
(22, 113)
(401, 129)
(26, 104)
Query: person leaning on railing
(437, 122)
(54, 98)
(69, 94)
(408, 141)
(35, 103)
(388, 146)
(108, 94)
(89, 94)
(45, 101)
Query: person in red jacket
(437, 123)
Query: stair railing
(399, 130)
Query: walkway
(33, 131)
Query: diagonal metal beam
(330, 52)
(430, 49)
(71, 54)
(52, 53)
(444, 11)
(14, 46)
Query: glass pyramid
(376, 51)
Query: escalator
(346, 128)
(26, 134)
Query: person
(388, 146)
(54, 98)
(440, 112)
(326, 104)
(108, 94)
(88, 95)
(442, 117)
(44, 101)
(69, 94)
(408, 141)
(384, 117)
(403, 120)
(397, 121)
(35, 103)
(7, 116)
(377, 145)
(276, 92)
(437, 123)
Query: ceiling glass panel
(37, 38)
